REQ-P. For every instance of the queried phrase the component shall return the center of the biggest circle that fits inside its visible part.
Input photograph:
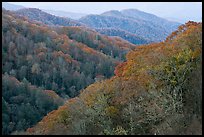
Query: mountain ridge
(133, 21)
(39, 15)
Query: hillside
(46, 18)
(135, 39)
(23, 104)
(111, 46)
(145, 25)
(53, 60)
(38, 50)
(158, 90)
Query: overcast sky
(184, 10)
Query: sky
(172, 10)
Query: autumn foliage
(156, 91)
(57, 61)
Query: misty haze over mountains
(173, 11)
(133, 25)
(72, 15)
(134, 21)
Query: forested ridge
(39, 15)
(133, 38)
(157, 91)
(63, 60)
(23, 104)
(132, 25)
(146, 26)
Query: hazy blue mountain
(142, 24)
(71, 15)
(135, 26)
(136, 14)
(12, 7)
(135, 39)
(114, 13)
(46, 18)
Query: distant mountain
(71, 15)
(132, 25)
(46, 18)
(135, 39)
(136, 14)
(11, 7)
(145, 25)
(114, 13)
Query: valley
(124, 72)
